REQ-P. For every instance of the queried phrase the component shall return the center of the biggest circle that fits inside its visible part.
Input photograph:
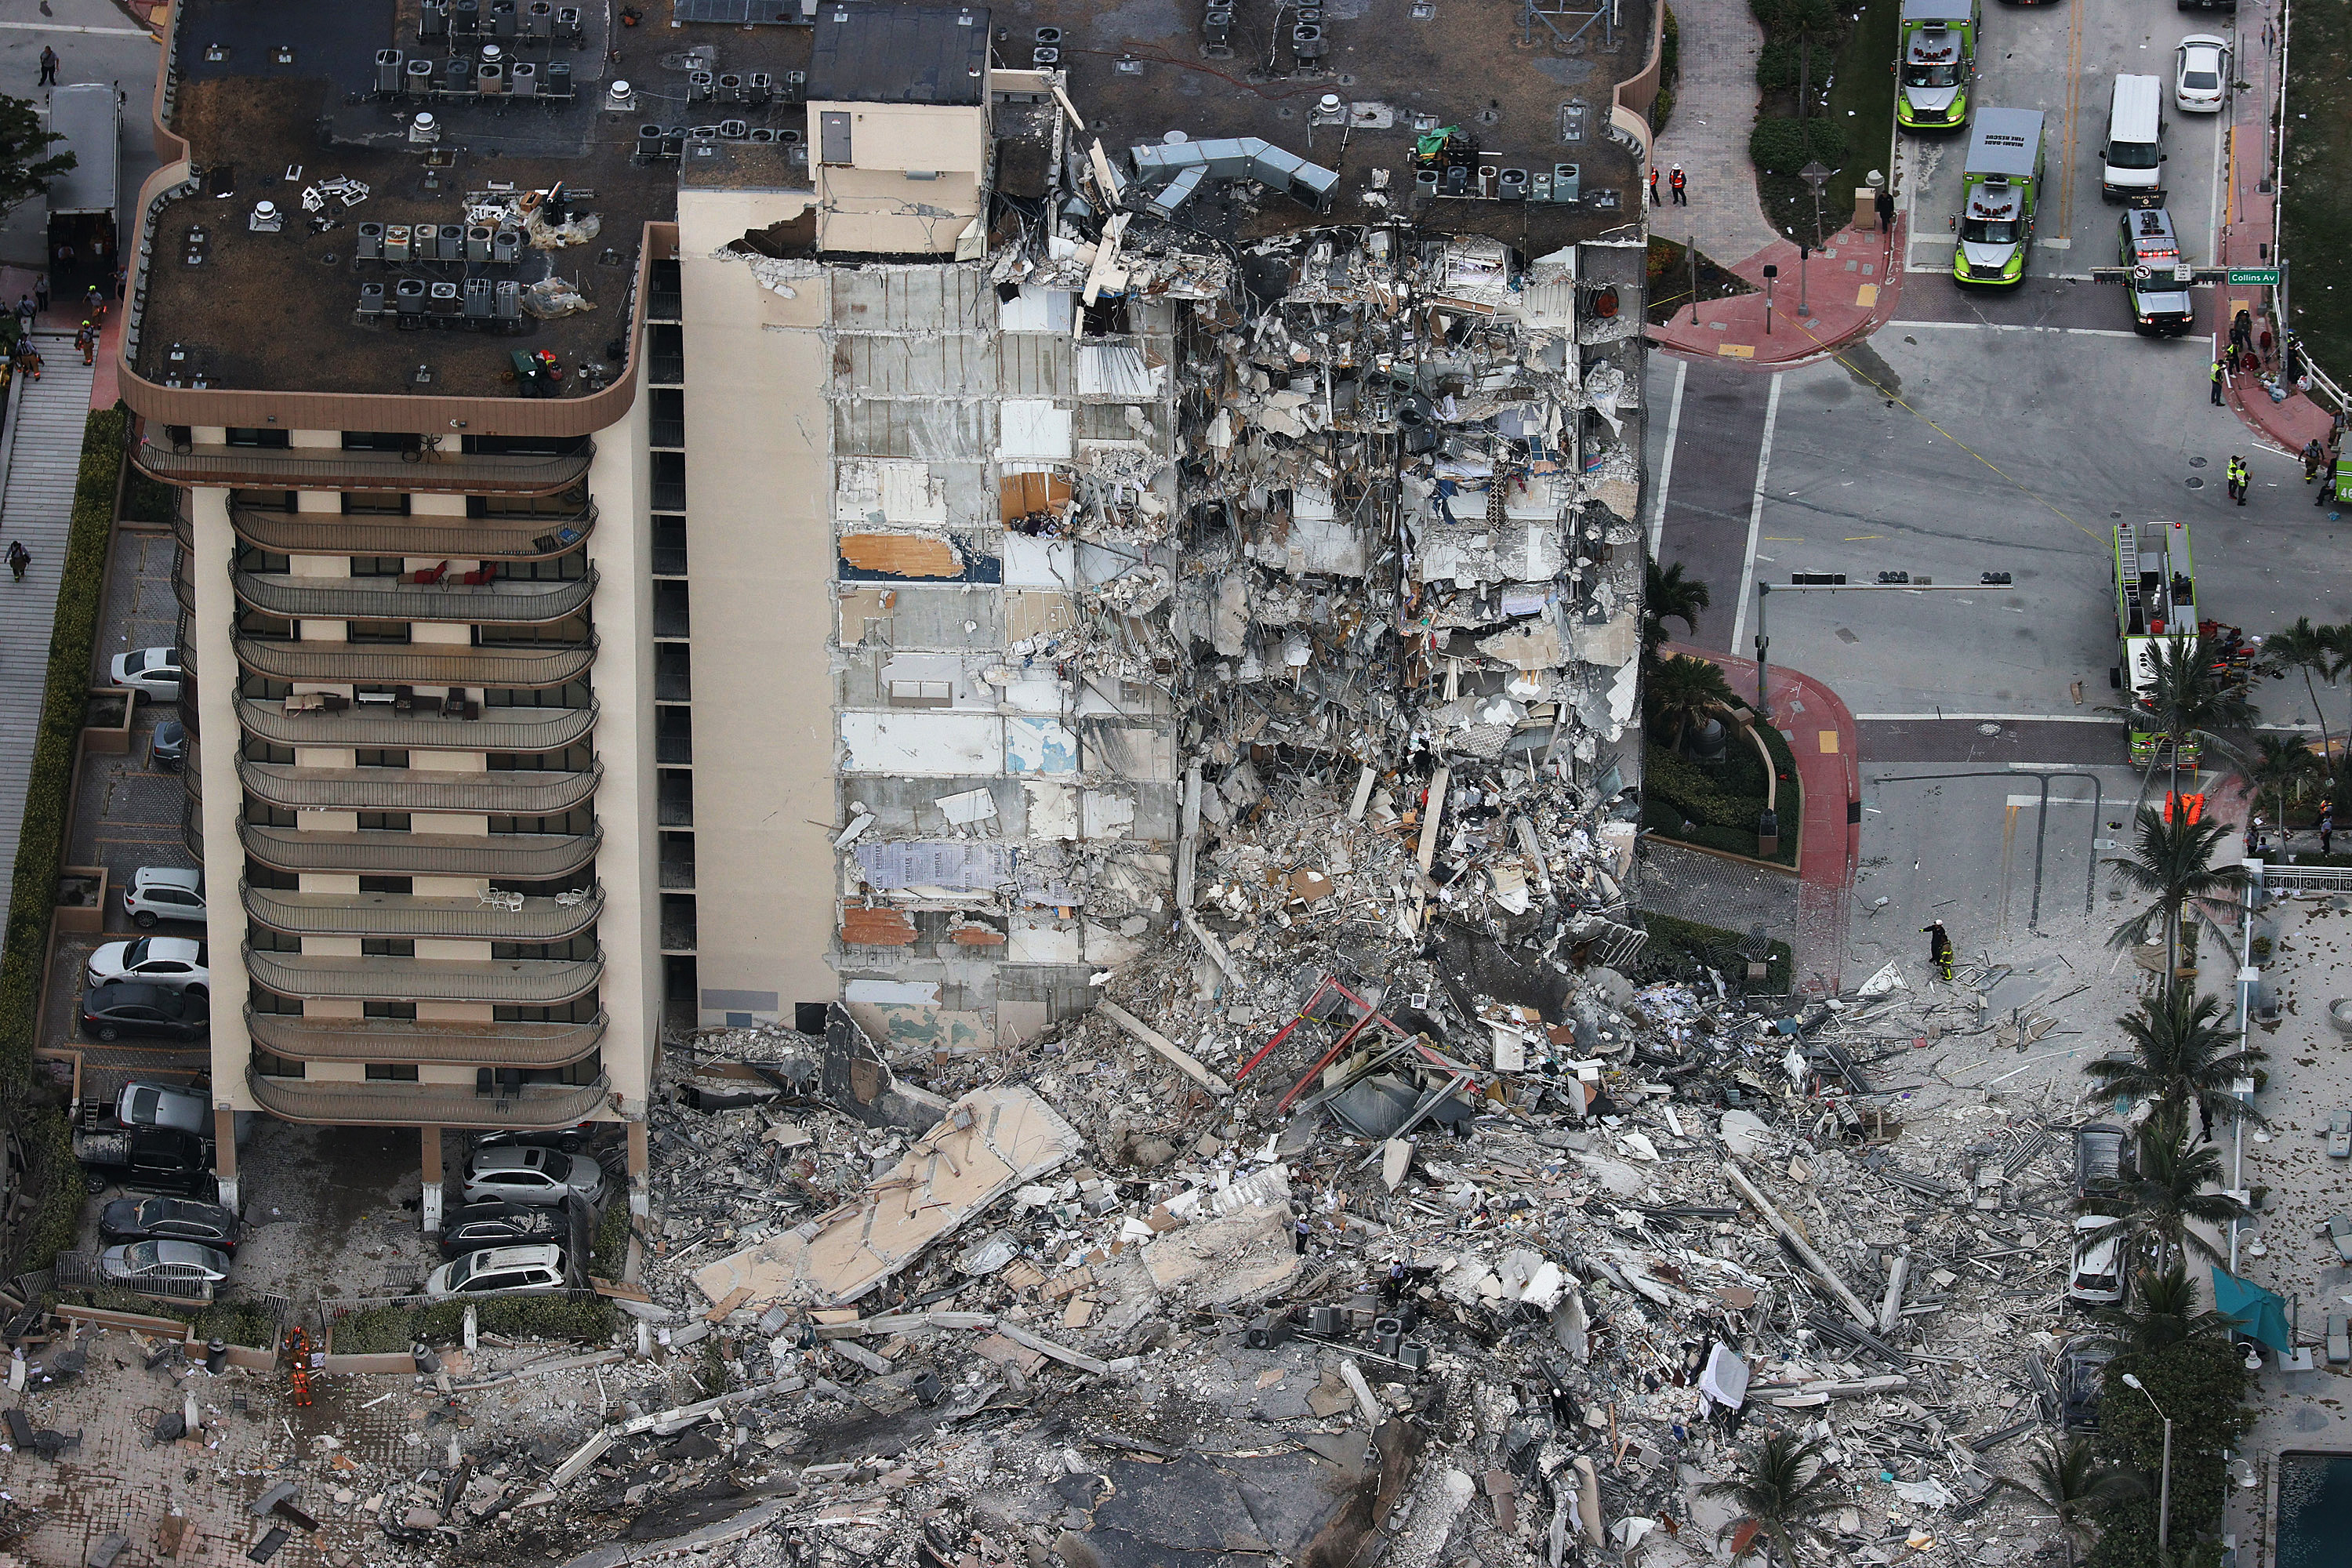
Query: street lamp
(2164, 1489)
(1816, 173)
(1770, 272)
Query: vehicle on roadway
(1937, 59)
(2132, 158)
(2156, 603)
(2158, 288)
(2201, 73)
(2000, 184)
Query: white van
(2134, 153)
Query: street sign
(2257, 277)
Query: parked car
(167, 748)
(151, 672)
(501, 1272)
(2200, 81)
(2339, 1134)
(544, 1177)
(499, 1223)
(2101, 1152)
(147, 1263)
(148, 1158)
(2097, 1279)
(180, 962)
(169, 1219)
(567, 1139)
(2082, 1363)
(142, 1104)
(140, 1010)
(164, 893)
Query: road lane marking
(61, 27)
(2020, 327)
(1756, 517)
(2073, 104)
(1941, 717)
(1667, 466)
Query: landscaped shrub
(383, 1330)
(1784, 146)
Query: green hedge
(1779, 64)
(383, 1331)
(1675, 947)
(608, 1257)
(1783, 146)
(236, 1323)
(48, 810)
(1721, 802)
(1670, 70)
(64, 1189)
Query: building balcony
(410, 1040)
(455, 539)
(325, 468)
(378, 1104)
(402, 915)
(516, 982)
(492, 793)
(518, 665)
(509, 857)
(499, 602)
(379, 724)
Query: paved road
(2062, 59)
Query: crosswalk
(43, 456)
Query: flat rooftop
(266, 94)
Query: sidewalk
(1714, 106)
(1821, 733)
(1851, 288)
(2250, 220)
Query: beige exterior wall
(623, 681)
(871, 204)
(224, 797)
(760, 572)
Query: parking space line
(1755, 517)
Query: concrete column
(225, 1152)
(429, 1162)
(640, 1161)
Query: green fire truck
(1936, 58)
(2000, 186)
(2156, 603)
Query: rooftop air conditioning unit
(420, 78)
(523, 79)
(464, 18)
(478, 242)
(453, 242)
(763, 137)
(759, 87)
(698, 87)
(432, 24)
(371, 243)
(567, 24)
(539, 20)
(480, 295)
(408, 297)
(734, 130)
(444, 299)
(390, 70)
(730, 88)
(555, 81)
(372, 300)
(502, 18)
(506, 247)
(395, 243)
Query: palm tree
(2165, 1313)
(2307, 650)
(2072, 1484)
(2279, 766)
(2182, 1056)
(2186, 702)
(1668, 596)
(2151, 1213)
(2172, 863)
(1683, 689)
(1784, 1487)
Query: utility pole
(1770, 272)
(1690, 253)
(1763, 642)
(2164, 1496)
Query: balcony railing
(492, 792)
(314, 468)
(511, 857)
(520, 665)
(412, 1040)
(499, 602)
(516, 982)
(379, 1104)
(378, 724)
(401, 915)
(335, 533)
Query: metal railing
(171, 1281)
(526, 665)
(359, 533)
(378, 1103)
(513, 856)
(495, 792)
(404, 915)
(494, 1045)
(313, 467)
(499, 602)
(365, 725)
(516, 982)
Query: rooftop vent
(620, 96)
(425, 130)
(265, 218)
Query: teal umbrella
(2258, 1315)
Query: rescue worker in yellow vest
(2216, 384)
(2238, 480)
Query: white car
(2097, 1279)
(177, 962)
(152, 672)
(531, 1175)
(142, 1104)
(164, 893)
(143, 1264)
(501, 1272)
(2201, 77)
